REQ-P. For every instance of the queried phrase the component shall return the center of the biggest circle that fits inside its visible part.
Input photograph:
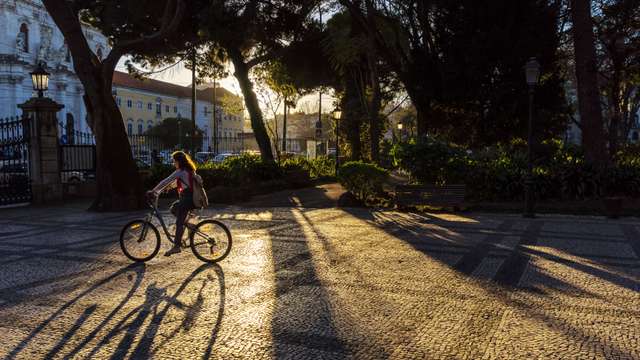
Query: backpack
(200, 199)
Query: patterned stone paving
(324, 283)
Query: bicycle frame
(156, 213)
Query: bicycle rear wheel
(140, 240)
(210, 241)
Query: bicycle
(210, 240)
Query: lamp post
(179, 132)
(40, 79)
(318, 136)
(41, 125)
(532, 71)
(337, 114)
(400, 127)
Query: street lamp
(400, 126)
(179, 132)
(337, 114)
(40, 79)
(532, 72)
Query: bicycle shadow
(134, 339)
(152, 312)
(138, 271)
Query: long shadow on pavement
(137, 269)
(131, 323)
(448, 241)
(302, 324)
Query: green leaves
(362, 179)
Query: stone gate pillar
(44, 154)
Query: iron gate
(15, 180)
(78, 163)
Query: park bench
(445, 196)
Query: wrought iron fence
(15, 179)
(79, 148)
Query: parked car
(73, 177)
(204, 157)
(222, 157)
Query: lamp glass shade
(337, 114)
(532, 71)
(40, 79)
(400, 126)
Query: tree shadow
(302, 321)
(453, 245)
(450, 239)
(138, 271)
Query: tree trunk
(251, 101)
(351, 118)
(423, 108)
(118, 183)
(587, 79)
(374, 111)
(615, 107)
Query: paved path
(324, 283)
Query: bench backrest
(430, 194)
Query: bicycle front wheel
(140, 240)
(210, 241)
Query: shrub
(158, 172)
(431, 161)
(322, 167)
(249, 168)
(295, 164)
(499, 172)
(362, 179)
(319, 168)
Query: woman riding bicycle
(182, 178)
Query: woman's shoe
(173, 250)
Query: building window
(149, 106)
(119, 101)
(140, 126)
(175, 109)
(635, 136)
(166, 108)
(129, 128)
(22, 42)
(149, 125)
(158, 107)
(139, 104)
(129, 103)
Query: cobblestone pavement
(324, 283)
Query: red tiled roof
(160, 87)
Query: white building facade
(29, 36)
